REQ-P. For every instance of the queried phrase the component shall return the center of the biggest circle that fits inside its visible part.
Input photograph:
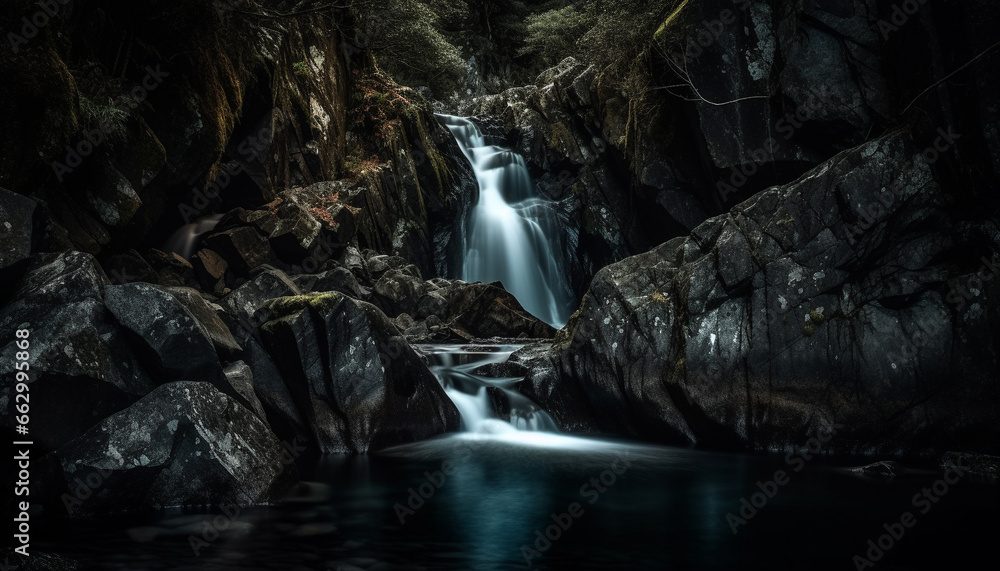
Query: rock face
(830, 302)
(358, 384)
(731, 98)
(183, 444)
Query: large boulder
(480, 310)
(357, 383)
(81, 366)
(825, 302)
(171, 341)
(184, 444)
(176, 343)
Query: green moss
(816, 316)
(808, 329)
(661, 32)
(285, 306)
(301, 69)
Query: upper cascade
(513, 234)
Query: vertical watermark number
(22, 446)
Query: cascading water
(185, 238)
(513, 234)
(454, 368)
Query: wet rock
(398, 291)
(184, 444)
(210, 270)
(296, 231)
(358, 384)
(981, 467)
(885, 470)
(268, 283)
(379, 264)
(263, 220)
(37, 561)
(273, 392)
(486, 310)
(112, 198)
(567, 404)
(793, 313)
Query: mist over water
(513, 234)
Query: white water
(512, 233)
(453, 366)
(185, 238)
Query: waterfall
(455, 368)
(185, 239)
(513, 234)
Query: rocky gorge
(777, 219)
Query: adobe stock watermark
(591, 491)
(34, 24)
(923, 501)
(434, 481)
(900, 16)
(871, 213)
(796, 461)
(362, 40)
(213, 528)
(973, 285)
(251, 149)
(94, 138)
(786, 127)
(928, 326)
(84, 489)
(707, 34)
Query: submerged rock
(885, 470)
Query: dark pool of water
(666, 510)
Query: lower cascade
(478, 397)
(512, 232)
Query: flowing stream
(513, 234)
(479, 398)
